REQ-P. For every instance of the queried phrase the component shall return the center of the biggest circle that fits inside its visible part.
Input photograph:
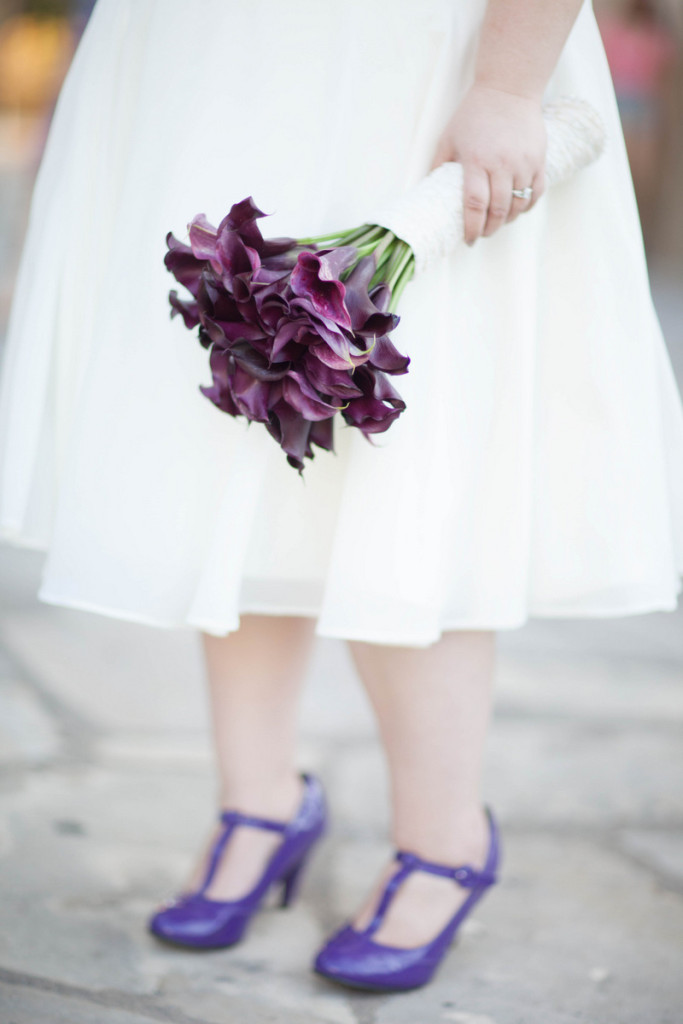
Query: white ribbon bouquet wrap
(430, 216)
(298, 329)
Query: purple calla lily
(377, 408)
(296, 333)
(313, 277)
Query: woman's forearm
(520, 43)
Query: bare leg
(433, 707)
(254, 679)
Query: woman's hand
(499, 138)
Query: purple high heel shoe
(200, 923)
(352, 957)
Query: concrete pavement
(106, 790)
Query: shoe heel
(291, 882)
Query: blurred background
(643, 40)
(644, 44)
(106, 779)
(37, 42)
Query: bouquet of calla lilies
(299, 329)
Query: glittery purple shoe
(200, 923)
(352, 958)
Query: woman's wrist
(518, 90)
(520, 43)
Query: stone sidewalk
(107, 788)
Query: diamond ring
(523, 193)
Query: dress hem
(331, 633)
(12, 534)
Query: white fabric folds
(538, 467)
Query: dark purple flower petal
(209, 294)
(277, 290)
(188, 309)
(298, 393)
(272, 317)
(292, 337)
(381, 296)
(327, 355)
(328, 381)
(220, 392)
(250, 395)
(221, 367)
(380, 405)
(367, 318)
(272, 314)
(292, 432)
(223, 305)
(221, 397)
(336, 260)
(183, 264)
(256, 364)
(242, 214)
(204, 337)
(203, 238)
(336, 348)
(322, 434)
(384, 356)
(274, 247)
(234, 257)
(248, 310)
(283, 259)
(242, 219)
(358, 302)
(224, 332)
(242, 287)
(269, 275)
(312, 278)
(377, 324)
(328, 330)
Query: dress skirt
(538, 467)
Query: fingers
(482, 220)
(538, 185)
(518, 204)
(501, 201)
(476, 200)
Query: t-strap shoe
(200, 923)
(353, 958)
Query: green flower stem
(402, 281)
(406, 257)
(334, 236)
(365, 250)
(380, 272)
(384, 247)
(374, 231)
(361, 235)
(392, 254)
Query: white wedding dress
(538, 467)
